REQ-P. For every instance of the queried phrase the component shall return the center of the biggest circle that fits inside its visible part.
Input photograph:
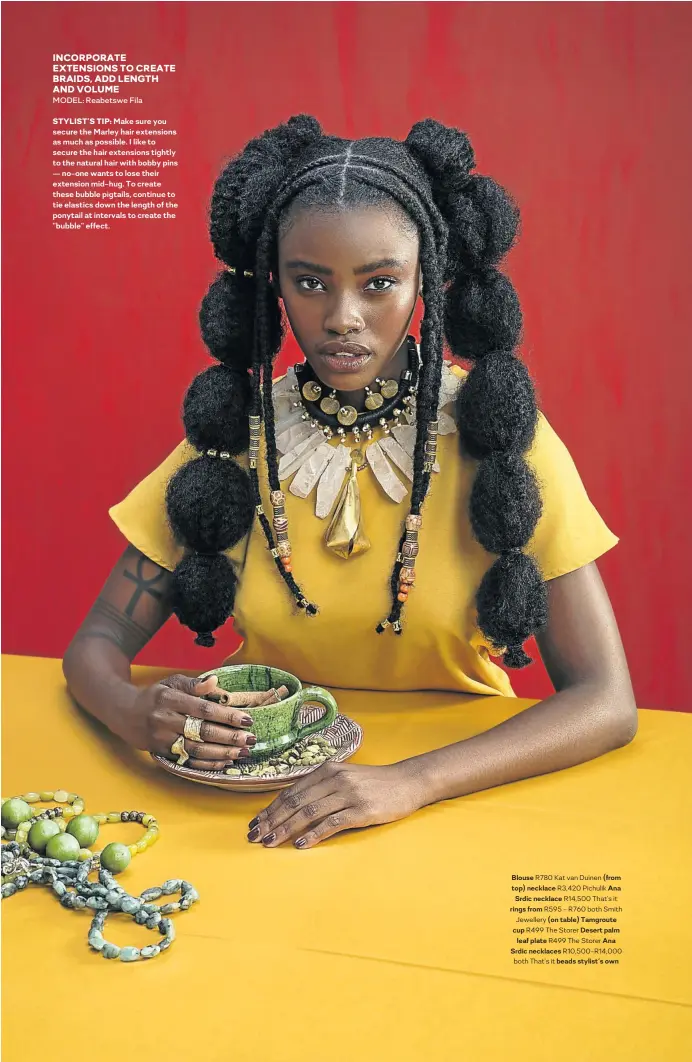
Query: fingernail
(254, 834)
(244, 754)
(246, 721)
(251, 739)
(251, 825)
(301, 842)
(269, 839)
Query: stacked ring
(178, 749)
(193, 728)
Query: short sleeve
(141, 516)
(570, 532)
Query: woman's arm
(134, 603)
(592, 711)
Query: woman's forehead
(366, 233)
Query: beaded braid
(432, 228)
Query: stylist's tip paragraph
(110, 171)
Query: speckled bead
(151, 894)
(96, 940)
(129, 954)
(110, 951)
(130, 905)
(151, 951)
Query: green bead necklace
(69, 877)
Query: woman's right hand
(158, 718)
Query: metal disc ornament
(347, 415)
(311, 391)
(389, 388)
(374, 400)
(330, 404)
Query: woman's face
(350, 277)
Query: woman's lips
(345, 363)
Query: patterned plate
(344, 734)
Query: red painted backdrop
(582, 110)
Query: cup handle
(315, 693)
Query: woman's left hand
(337, 796)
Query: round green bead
(14, 811)
(129, 954)
(84, 828)
(62, 846)
(115, 857)
(41, 833)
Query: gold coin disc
(347, 415)
(389, 388)
(374, 401)
(311, 391)
(330, 405)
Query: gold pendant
(345, 536)
(374, 400)
(347, 416)
(311, 391)
(330, 404)
(389, 388)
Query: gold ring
(193, 728)
(178, 749)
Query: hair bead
(253, 452)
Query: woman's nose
(343, 316)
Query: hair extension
(466, 224)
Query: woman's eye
(315, 284)
(308, 280)
(389, 281)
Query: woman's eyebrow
(382, 263)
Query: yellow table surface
(387, 943)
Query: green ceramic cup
(276, 726)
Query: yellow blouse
(441, 647)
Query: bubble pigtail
(497, 417)
(209, 500)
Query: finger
(347, 819)
(308, 819)
(185, 704)
(224, 735)
(209, 765)
(171, 725)
(295, 803)
(205, 751)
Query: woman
(378, 518)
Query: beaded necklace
(69, 878)
(304, 427)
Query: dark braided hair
(466, 224)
